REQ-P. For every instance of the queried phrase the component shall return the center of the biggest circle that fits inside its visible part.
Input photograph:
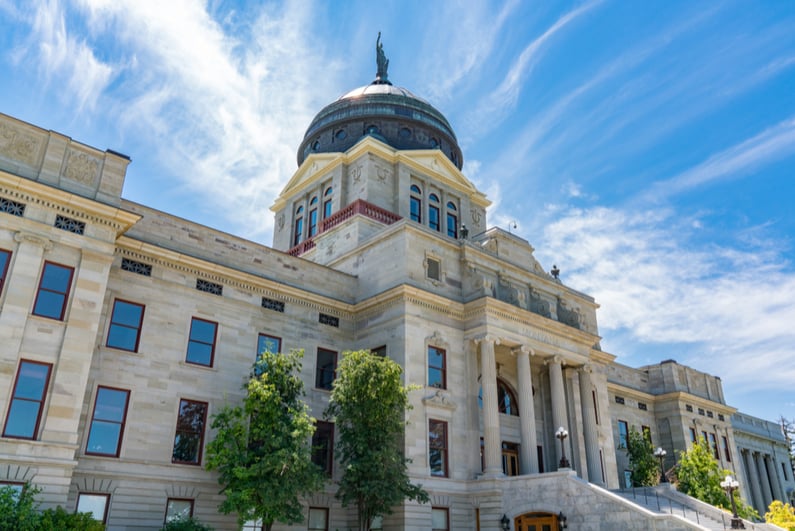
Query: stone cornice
(683, 396)
(75, 206)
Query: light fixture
(562, 521)
(660, 454)
(562, 434)
(505, 523)
(730, 485)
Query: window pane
(268, 344)
(324, 368)
(94, 504)
(32, 380)
(56, 278)
(439, 518)
(433, 218)
(127, 313)
(200, 353)
(122, 337)
(189, 432)
(22, 416)
(203, 331)
(317, 519)
(49, 304)
(416, 207)
(107, 422)
(104, 438)
(111, 404)
(178, 509)
(5, 257)
(452, 226)
(26, 402)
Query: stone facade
(503, 352)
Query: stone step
(652, 501)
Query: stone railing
(360, 206)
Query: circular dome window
(404, 132)
(341, 134)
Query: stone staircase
(665, 499)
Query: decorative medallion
(17, 145)
(81, 168)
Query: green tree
(19, 511)
(698, 474)
(645, 467)
(185, 524)
(369, 404)
(781, 514)
(262, 449)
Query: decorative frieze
(81, 167)
(16, 144)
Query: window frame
(137, 329)
(726, 451)
(65, 294)
(200, 448)
(4, 269)
(623, 438)
(121, 424)
(320, 371)
(442, 369)
(452, 220)
(506, 390)
(415, 203)
(99, 495)
(446, 511)
(442, 448)
(646, 432)
(298, 226)
(308, 515)
(328, 451)
(313, 218)
(40, 401)
(262, 338)
(191, 501)
(434, 213)
(196, 341)
(328, 202)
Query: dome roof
(392, 114)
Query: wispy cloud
(63, 59)
(729, 307)
(772, 144)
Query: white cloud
(731, 308)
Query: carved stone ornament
(81, 168)
(17, 145)
(356, 173)
(383, 173)
(20, 237)
(476, 216)
(439, 399)
(280, 221)
(436, 339)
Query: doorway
(536, 522)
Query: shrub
(186, 524)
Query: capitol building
(125, 329)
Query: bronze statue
(381, 61)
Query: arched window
(506, 399)
(416, 203)
(434, 220)
(299, 226)
(452, 220)
(312, 217)
(327, 202)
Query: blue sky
(646, 148)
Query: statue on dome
(381, 61)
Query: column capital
(557, 359)
(587, 368)
(486, 338)
(22, 236)
(523, 349)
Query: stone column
(589, 428)
(492, 446)
(753, 480)
(767, 496)
(558, 399)
(772, 476)
(527, 414)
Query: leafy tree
(645, 468)
(262, 449)
(19, 511)
(59, 518)
(788, 427)
(369, 404)
(699, 475)
(781, 514)
(185, 524)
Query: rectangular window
(437, 444)
(125, 325)
(437, 368)
(299, 230)
(201, 343)
(317, 519)
(136, 267)
(96, 504)
(623, 433)
(440, 519)
(433, 218)
(721, 417)
(710, 414)
(701, 411)
(325, 368)
(642, 406)
(433, 270)
(619, 399)
(452, 226)
(5, 259)
(53, 291)
(784, 470)
(713, 442)
(327, 209)
(178, 509)
(693, 438)
(27, 399)
(312, 222)
(688, 408)
(266, 343)
(107, 422)
(17, 488)
(416, 209)
(726, 453)
(379, 351)
(323, 446)
(646, 433)
(540, 455)
(704, 435)
(510, 459)
(189, 436)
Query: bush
(19, 511)
(58, 518)
(186, 524)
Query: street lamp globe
(561, 435)
(660, 454)
(730, 485)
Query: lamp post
(562, 434)
(660, 454)
(505, 524)
(730, 485)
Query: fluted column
(528, 458)
(753, 480)
(767, 496)
(589, 426)
(558, 397)
(772, 476)
(492, 447)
